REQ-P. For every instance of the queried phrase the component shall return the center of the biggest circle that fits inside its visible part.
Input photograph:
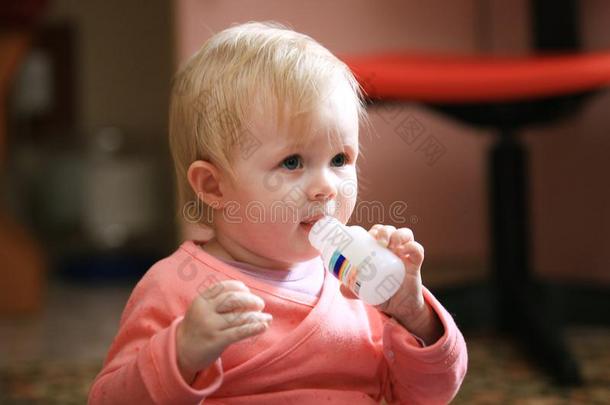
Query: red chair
(507, 94)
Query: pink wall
(447, 206)
(340, 25)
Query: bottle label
(341, 268)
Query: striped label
(341, 268)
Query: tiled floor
(52, 358)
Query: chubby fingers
(400, 237)
(238, 301)
(240, 309)
(390, 237)
(382, 233)
(235, 319)
(411, 251)
(232, 295)
(400, 241)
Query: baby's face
(279, 185)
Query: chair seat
(475, 79)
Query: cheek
(272, 190)
(268, 215)
(250, 194)
(347, 195)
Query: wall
(123, 64)
(124, 53)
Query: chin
(294, 248)
(305, 256)
(309, 254)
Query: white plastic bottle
(373, 273)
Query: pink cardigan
(331, 350)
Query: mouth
(308, 223)
(306, 227)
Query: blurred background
(86, 182)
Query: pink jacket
(331, 350)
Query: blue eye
(339, 159)
(292, 162)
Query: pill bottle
(372, 272)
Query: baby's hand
(220, 315)
(408, 305)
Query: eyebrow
(286, 145)
(288, 149)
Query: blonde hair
(252, 64)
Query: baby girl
(264, 126)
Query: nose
(323, 186)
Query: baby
(264, 128)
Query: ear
(205, 180)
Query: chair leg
(524, 308)
(509, 226)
